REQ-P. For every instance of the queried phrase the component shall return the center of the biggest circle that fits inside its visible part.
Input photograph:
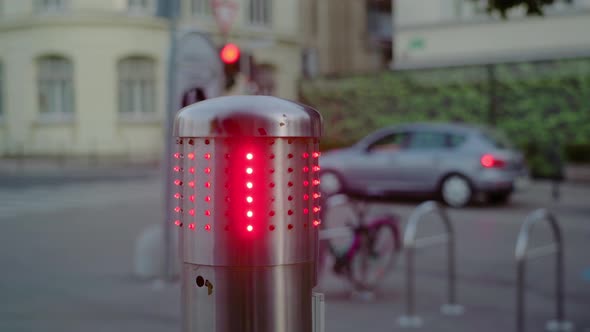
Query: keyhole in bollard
(200, 281)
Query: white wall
(94, 52)
(503, 40)
(427, 34)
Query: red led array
(178, 183)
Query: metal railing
(523, 252)
(410, 319)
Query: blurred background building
(460, 32)
(87, 77)
(347, 36)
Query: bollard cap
(249, 116)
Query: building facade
(87, 77)
(344, 37)
(461, 32)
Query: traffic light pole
(171, 108)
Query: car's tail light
(490, 161)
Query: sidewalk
(31, 172)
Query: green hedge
(543, 104)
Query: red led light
(177, 223)
(316, 154)
(316, 223)
(249, 185)
(230, 53)
(489, 161)
(317, 195)
(249, 228)
(249, 170)
(305, 155)
(249, 199)
(306, 197)
(207, 184)
(176, 168)
(191, 198)
(305, 211)
(207, 170)
(316, 182)
(207, 198)
(249, 156)
(207, 227)
(249, 214)
(177, 155)
(191, 212)
(178, 182)
(306, 183)
(305, 169)
(316, 168)
(177, 209)
(177, 196)
(207, 156)
(316, 209)
(191, 184)
(192, 170)
(191, 227)
(207, 213)
(191, 156)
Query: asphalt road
(66, 253)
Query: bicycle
(363, 251)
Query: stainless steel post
(170, 254)
(247, 203)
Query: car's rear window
(496, 139)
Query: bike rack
(523, 252)
(410, 319)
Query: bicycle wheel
(373, 255)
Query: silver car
(455, 162)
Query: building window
(56, 88)
(263, 80)
(45, 6)
(260, 12)
(201, 7)
(137, 87)
(141, 6)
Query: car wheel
(331, 183)
(456, 191)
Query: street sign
(197, 66)
(225, 14)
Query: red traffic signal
(230, 53)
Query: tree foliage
(533, 7)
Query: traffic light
(230, 56)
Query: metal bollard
(247, 176)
